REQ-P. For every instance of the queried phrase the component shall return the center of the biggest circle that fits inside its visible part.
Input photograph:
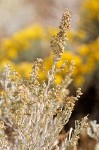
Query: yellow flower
(84, 50)
(58, 79)
(24, 69)
(12, 53)
(93, 7)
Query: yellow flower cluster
(21, 43)
(89, 53)
(22, 40)
(93, 7)
(87, 39)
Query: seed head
(58, 41)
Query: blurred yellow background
(26, 28)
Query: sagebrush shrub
(33, 114)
